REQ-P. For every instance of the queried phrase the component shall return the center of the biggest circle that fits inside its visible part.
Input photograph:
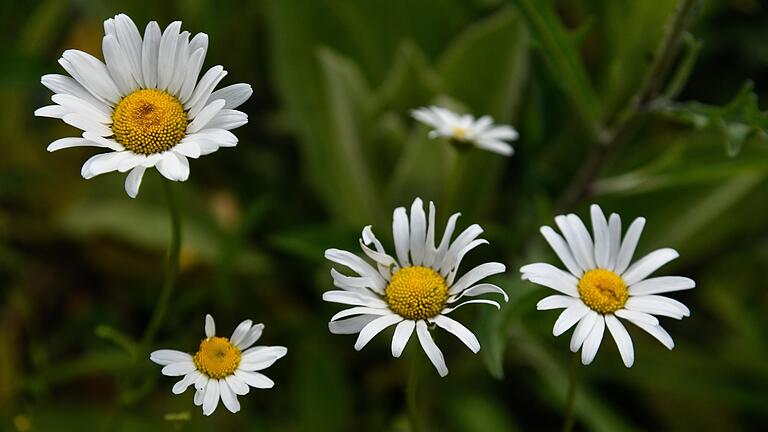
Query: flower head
(145, 103)
(464, 129)
(222, 368)
(417, 289)
(601, 286)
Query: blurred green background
(330, 148)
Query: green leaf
(738, 122)
(560, 49)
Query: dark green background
(330, 148)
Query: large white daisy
(464, 129)
(414, 291)
(222, 368)
(601, 286)
(145, 104)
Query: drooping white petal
(403, 332)
(211, 397)
(458, 330)
(570, 316)
(350, 325)
(255, 379)
(430, 348)
(133, 181)
(592, 342)
(228, 397)
(182, 385)
(582, 330)
(166, 356)
(375, 327)
(102, 163)
(623, 341)
(657, 332)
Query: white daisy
(601, 286)
(145, 104)
(222, 368)
(464, 129)
(416, 290)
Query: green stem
(570, 401)
(172, 271)
(411, 392)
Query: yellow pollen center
(603, 291)
(416, 293)
(149, 121)
(217, 357)
(459, 133)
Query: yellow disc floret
(603, 291)
(149, 121)
(459, 133)
(416, 293)
(217, 357)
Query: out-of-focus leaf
(738, 122)
(410, 81)
(310, 242)
(478, 413)
(559, 48)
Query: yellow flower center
(459, 133)
(217, 357)
(603, 291)
(416, 293)
(149, 121)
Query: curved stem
(172, 271)
(411, 392)
(570, 401)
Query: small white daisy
(222, 368)
(602, 286)
(145, 104)
(464, 129)
(415, 291)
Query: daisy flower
(601, 286)
(416, 289)
(464, 129)
(221, 368)
(145, 104)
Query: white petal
(181, 386)
(592, 342)
(431, 349)
(562, 250)
(260, 358)
(403, 332)
(648, 264)
(658, 305)
(67, 85)
(495, 146)
(203, 90)
(238, 386)
(354, 299)
(210, 326)
(199, 395)
(211, 398)
(228, 119)
(255, 379)
(228, 397)
(623, 341)
(201, 121)
(102, 163)
(240, 331)
(570, 316)
(118, 65)
(53, 111)
(188, 149)
(658, 332)
(130, 41)
(173, 166)
(582, 330)
(418, 232)
(614, 235)
(167, 54)
(150, 54)
(83, 107)
(63, 143)
(180, 64)
(234, 95)
(446, 311)
(556, 301)
(458, 330)
(445, 242)
(602, 237)
(358, 265)
(92, 74)
(251, 336)
(551, 277)
(629, 244)
(360, 310)
(166, 356)
(661, 284)
(351, 325)
(583, 246)
(87, 124)
(635, 316)
(375, 327)
(194, 65)
(479, 289)
(475, 275)
(462, 244)
(133, 181)
(400, 233)
(179, 368)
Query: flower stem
(172, 271)
(570, 401)
(411, 392)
